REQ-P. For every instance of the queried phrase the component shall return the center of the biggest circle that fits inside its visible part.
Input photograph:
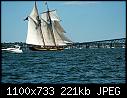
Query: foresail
(34, 14)
(34, 35)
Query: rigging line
(41, 31)
(33, 21)
(44, 20)
(42, 36)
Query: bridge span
(112, 43)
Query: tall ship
(45, 32)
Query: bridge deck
(113, 43)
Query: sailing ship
(44, 31)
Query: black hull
(46, 49)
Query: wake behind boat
(15, 49)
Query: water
(68, 66)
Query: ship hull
(46, 48)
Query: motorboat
(16, 49)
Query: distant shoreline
(11, 42)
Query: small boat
(16, 49)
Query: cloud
(80, 2)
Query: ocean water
(103, 65)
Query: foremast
(39, 24)
(34, 33)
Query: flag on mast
(26, 18)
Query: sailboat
(44, 31)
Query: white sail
(59, 41)
(34, 35)
(53, 15)
(45, 30)
(58, 27)
(61, 32)
(58, 31)
(48, 38)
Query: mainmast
(50, 22)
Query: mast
(34, 33)
(49, 18)
(39, 24)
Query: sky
(84, 21)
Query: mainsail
(45, 29)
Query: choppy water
(68, 66)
